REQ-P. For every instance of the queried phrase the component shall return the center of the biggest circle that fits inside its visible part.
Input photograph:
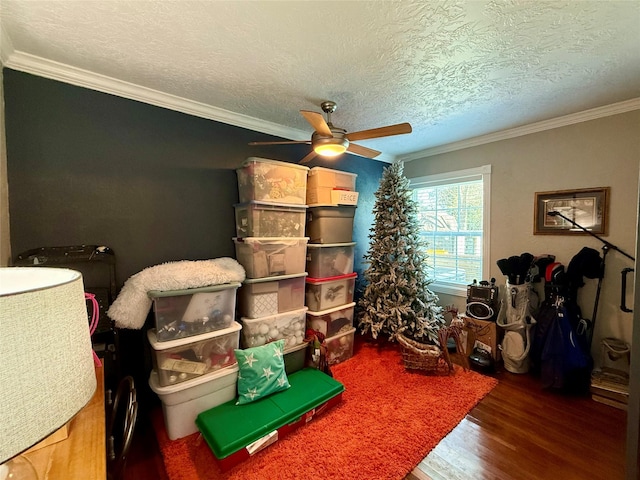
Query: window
(453, 210)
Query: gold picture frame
(587, 207)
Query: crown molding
(6, 46)
(42, 67)
(586, 115)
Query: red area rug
(388, 421)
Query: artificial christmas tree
(396, 298)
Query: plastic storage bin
(340, 346)
(295, 358)
(287, 325)
(272, 181)
(260, 297)
(322, 183)
(182, 403)
(330, 223)
(268, 257)
(180, 360)
(324, 293)
(330, 259)
(331, 321)
(262, 219)
(184, 313)
(327, 177)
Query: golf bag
(564, 363)
(516, 319)
(560, 352)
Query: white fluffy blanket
(131, 307)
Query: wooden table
(82, 455)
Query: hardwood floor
(517, 432)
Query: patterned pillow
(261, 372)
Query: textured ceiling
(454, 70)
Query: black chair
(121, 423)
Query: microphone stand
(605, 249)
(608, 245)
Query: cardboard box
(483, 332)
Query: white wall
(597, 153)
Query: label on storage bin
(184, 366)
(261, 443)
(344, 197)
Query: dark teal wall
(155, 185)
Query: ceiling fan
(330, 141)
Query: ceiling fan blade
(284, 142)
(388, 131)
(364, 151)
(317, 122)
(310, 156)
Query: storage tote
(260, 297)
(331, 321)
(330, 259)
(295, 358)
(194, 311)
(330, 223)
(271, 256)
(340, 346)
(182, 403)
(263, 219)
(272, 181)
(324, 293)
(289, 326)
(324, 185)
(180, 360)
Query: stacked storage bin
(271, 246)
(193, 342)
(332, 199)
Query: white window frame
(478, 173)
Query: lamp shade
(47, 373)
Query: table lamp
(47, 373)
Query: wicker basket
(421, 356)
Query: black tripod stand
(605, 249)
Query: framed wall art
(563, 212)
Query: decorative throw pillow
(261, 372)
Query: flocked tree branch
(396, 298)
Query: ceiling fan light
(330, 149)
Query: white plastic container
(340, 346)
(324, 293)
(180, 360)
(263, 219)
(325, 185)
(331, 321)
(330, 259)
(261, 297)
(268, 257)
(330, 223)
(185, 313)
(272, 181)
(182, 403)
(288, 325)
